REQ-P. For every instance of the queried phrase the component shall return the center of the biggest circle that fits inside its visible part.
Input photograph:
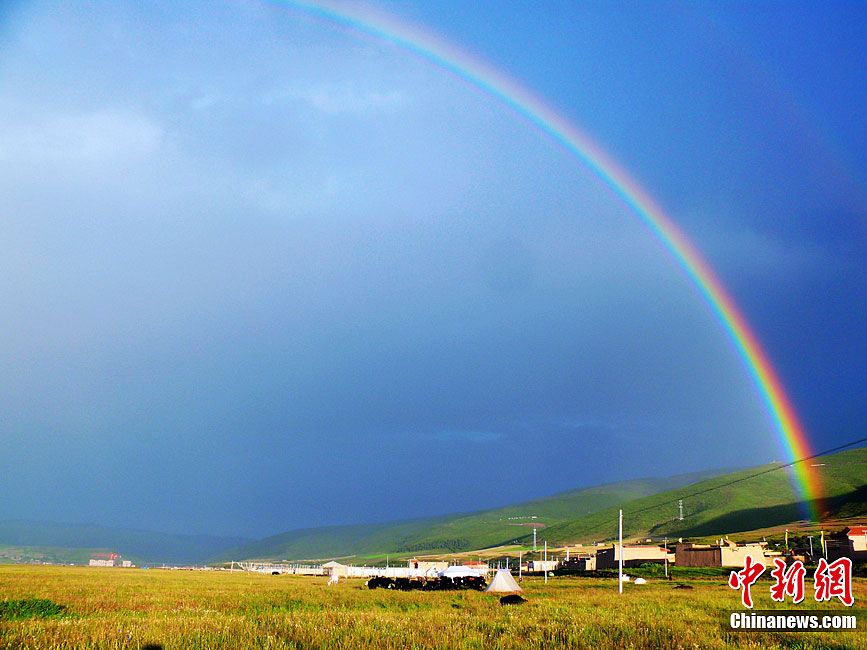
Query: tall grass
(117, 608)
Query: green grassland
(79, 607)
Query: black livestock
(428, 584)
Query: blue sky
(261, 272)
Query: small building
(852, 543)
(724, 554)
(426, 566)
(609, 558)
(579, 562)
(543, 565)
(482, 567)
(107, 559)
(857, 536)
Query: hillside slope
(453, 532)
(711, 507)
(760, 502)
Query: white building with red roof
(857, 538)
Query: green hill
(452, 533)
(764, 501)
(712, 506)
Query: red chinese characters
(834, 580)
(788, 582)
(745, 579)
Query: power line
(762, 473)
(738, 480)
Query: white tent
(335, 569)
(459, 572)
(504, 583)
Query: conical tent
(504, 583)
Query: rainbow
(363, 18)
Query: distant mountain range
(143, 547)
(714, 503)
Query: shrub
(17, 610)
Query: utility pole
(534, 539)
(519, 567)
(665, 546)
(545, 563)
(680, 509)
(620, 553)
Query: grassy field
(117, 608)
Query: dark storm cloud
(257, 271)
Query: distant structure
(607, 558)
(109, 559)
(851, 543)
(425, 566)
(414, 569)
(723, 554)
(579, 562)
(543, 565)
(482, 567)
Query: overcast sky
(259, 271)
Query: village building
(543, 565)
(425, 566)
(723, 554)
(609, 558)
(109, 559)
(579, 562)
(852, 543)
